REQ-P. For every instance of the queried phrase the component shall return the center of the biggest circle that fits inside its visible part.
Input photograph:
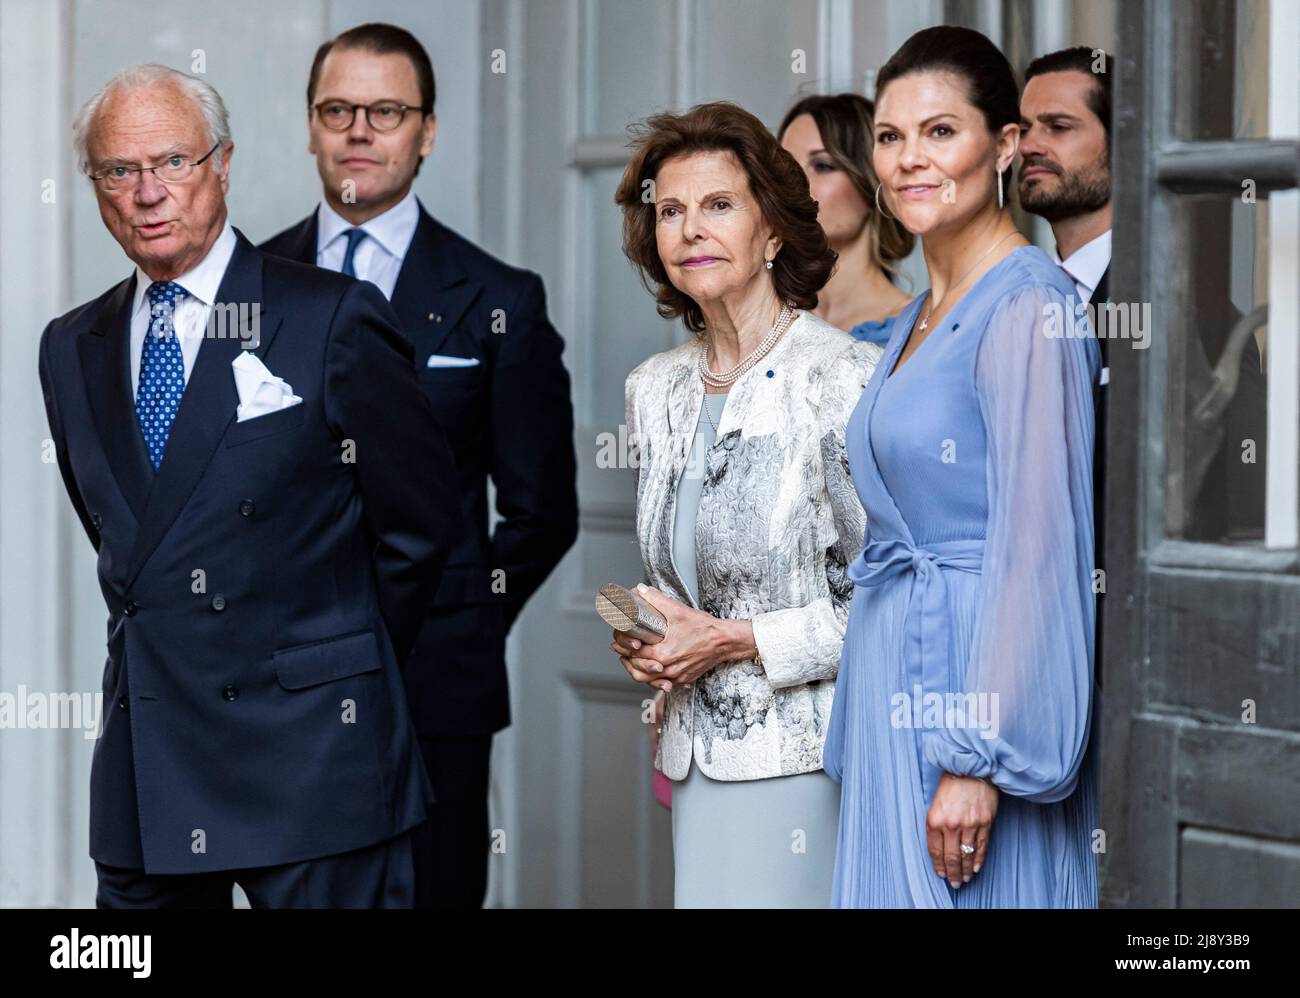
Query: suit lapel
(1100, 297)
(682, 402)
(207, 406)
(300, 243)
(1102, 292)
(433, 291)
(105, 354)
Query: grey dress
(766, 843)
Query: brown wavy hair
(847, 126)
(805, 260)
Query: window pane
(1220, 69)
(1218, 356)
(628, 63)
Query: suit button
(121, 702)
(218, 602)
(247, 507)
(131, 607)
(231, 693)
(97, 520)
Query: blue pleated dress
(974, 464)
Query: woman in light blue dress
(960, 728)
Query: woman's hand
(696, 643)
(962, 811)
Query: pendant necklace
(933, 305)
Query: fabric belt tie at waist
(928, 616)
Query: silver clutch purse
(624, 610)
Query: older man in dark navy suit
(271, 499)
(490, 362)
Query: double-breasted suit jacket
(263, 584)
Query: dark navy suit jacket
(1100, 296)
(509, 418)
(263, 585)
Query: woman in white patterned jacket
(746, 514)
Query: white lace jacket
(778, 523)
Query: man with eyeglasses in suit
(490, 362)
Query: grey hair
(144, 76)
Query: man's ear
(226, 153)
(429, 131)
(311, 135)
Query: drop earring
(997, 173)
(769, 264)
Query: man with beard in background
(1065, 177)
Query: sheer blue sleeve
(1032, 650)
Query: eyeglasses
(175, 169)
(382, 116)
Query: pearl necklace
(708, 415)
(727, 378)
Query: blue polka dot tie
(353, 237)
(162, 369)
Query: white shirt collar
(1088, 262)
(393, 230)
(203, 281)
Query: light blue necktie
(162, 369)
(354, 236)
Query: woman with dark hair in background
(746, 515)
(830, 137)
(965, 689)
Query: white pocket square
(260, 391)
(446, 360)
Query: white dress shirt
(378, 257)
(1086, 265)
(191, 318)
